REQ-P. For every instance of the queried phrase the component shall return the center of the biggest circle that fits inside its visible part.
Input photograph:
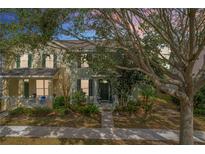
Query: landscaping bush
(198, 111)
(58, 102)
(147, 91)
(199, 102)
(199, 98)
(148, 107)
(78, 97)
(132, 107)
(21, 111)
(63, 111)
(86, 109)
(41, 111)
(90, 109)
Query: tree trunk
(186, 123)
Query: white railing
(10, 103)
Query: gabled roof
(76, 44)
(30, 73)
(81, 45)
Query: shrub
(78, 97)
(147, 91)
(199, 98)
(133, 106)
(86, 109)
(63, 111)
(147, 108)
(41, 111)
(21, 111)
(58, 102)
(199, 102)
(199, 111)
(90, 109)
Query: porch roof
(30, 73)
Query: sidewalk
(107, 131)
(95, 133)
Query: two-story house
(38, 74)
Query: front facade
(38, 78)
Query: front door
(26, 89)
(104, 89)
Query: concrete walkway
(95, 133)
(106, 116)
(107, 120)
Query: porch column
(50, 88)
(6, 87)
(5, 92)
(20, 87)
(13, 87)
(1, 87)
(95, 90)
(32, 86)
(56, 87)
(73, 87)
(1, 94)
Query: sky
(7, 17)
(11, 17)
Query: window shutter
(43, 60)
(18, 61)
(91, 87)
(30, 60)
(78, 85)
(79, 62)
(55, 61)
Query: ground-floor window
(42, 87)
(86, 86)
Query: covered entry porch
(98, 89)
(29, 87)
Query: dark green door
(26, 89)
(104, 90)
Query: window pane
(39, 84)
(46, 83)
(85, 91)
(84, 86)
(49, 61)
(84, 83)
(24, 61)
(46, 92)
(39, 92)
(84, 62)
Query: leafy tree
(180, 32)
(25, 29)
(145, 35)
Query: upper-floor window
(50, 61)
(26, 61)
(82, 61)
